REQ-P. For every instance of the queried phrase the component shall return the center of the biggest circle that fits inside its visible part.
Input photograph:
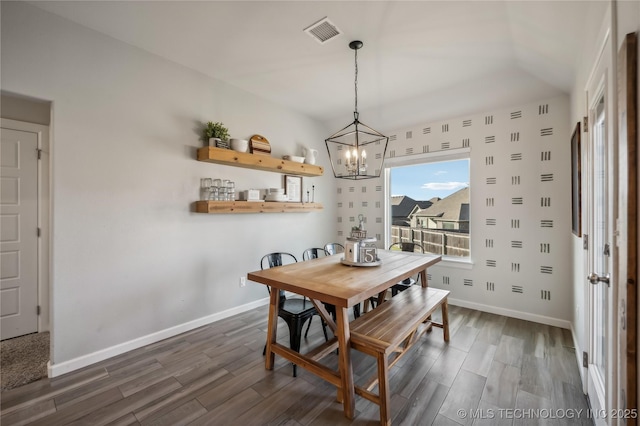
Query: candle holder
(357, 151)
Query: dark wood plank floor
(215, 375)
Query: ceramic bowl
(293, 158)
(240, 145)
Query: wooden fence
(436, 241)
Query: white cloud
(444, 186)
(441, 172)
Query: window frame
(411, 160)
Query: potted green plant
(215, 133)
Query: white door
(599, 262)
(600, 211)
(18, 233)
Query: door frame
(44, 207)
(628, 221)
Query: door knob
(594, 278)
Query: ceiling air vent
(322, 31)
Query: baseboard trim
(556, 322)
(578, 350)
(55, 370)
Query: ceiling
(421, 59)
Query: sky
(425, 181)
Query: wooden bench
(390, 330)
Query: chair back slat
(272, 260)
(276, 259)
(313, 253)
(333, 248)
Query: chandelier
(356, 151)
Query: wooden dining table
(328, 280)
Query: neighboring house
(451, 212)
(402, 207)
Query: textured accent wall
(520, 206)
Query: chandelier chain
(356, 84)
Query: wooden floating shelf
(229, 157)
(214, 207)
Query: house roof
(455, 207)
(402, 206)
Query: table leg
(344, 360)
(324, 314)
(425, 284)
(445, 320)
(272, 328)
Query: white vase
(213, 141)
(310, 155)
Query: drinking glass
(205, 185)
(224, 190)
(231, 191)
(216, 190)
(214, 193)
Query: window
(429, 203)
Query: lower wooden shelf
(217, 207)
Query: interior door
(599, 255)
(601, 250)
(18, 233)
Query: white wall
(130, 259)
(543, 276)
(586, 61)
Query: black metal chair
(295, 311)
(333, 248)
(313, 253)
(408, 282)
